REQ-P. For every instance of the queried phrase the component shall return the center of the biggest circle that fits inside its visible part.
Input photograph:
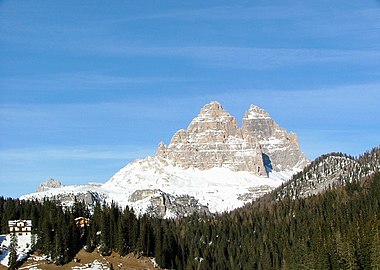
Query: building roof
(13, 223)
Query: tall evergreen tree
(12, 262)
(375, 248)
(105, 236)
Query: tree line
(339, 229)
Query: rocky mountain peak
(280, 148)
(255, 112)
(214, 139)
(213, 117)
(212, 107)
(259, 123)
(51, 183)
(212, 111)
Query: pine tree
(33, 241)
(12, 263)
(375, 249)
(105, 243)
(59, 248)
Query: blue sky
(88, 86)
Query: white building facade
(20, 227)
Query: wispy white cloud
(83, 153)
(358, 24)
(220, 12)
(68, 113)
(246, 57)
(82, 81)
(357, 101)
(312, 21)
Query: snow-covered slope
(152, 183)
(220, 189)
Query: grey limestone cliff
(281, 150)
(214, 139)
(51, 183)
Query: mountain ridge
(329, 171)
(211, 166)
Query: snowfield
(96, 265)
(220, 189)
(217, 188)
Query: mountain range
(213, 166)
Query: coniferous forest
(338, 229)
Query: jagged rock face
(88, 197)
(51, 183)
(213, 139)
(163, 205)
(280, 149)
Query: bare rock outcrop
(281, 149)
(213, 139)
(51, 183)
(162, 204)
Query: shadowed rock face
(279, 147)
(214, 139)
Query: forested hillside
(329, 171)
(337, 229)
